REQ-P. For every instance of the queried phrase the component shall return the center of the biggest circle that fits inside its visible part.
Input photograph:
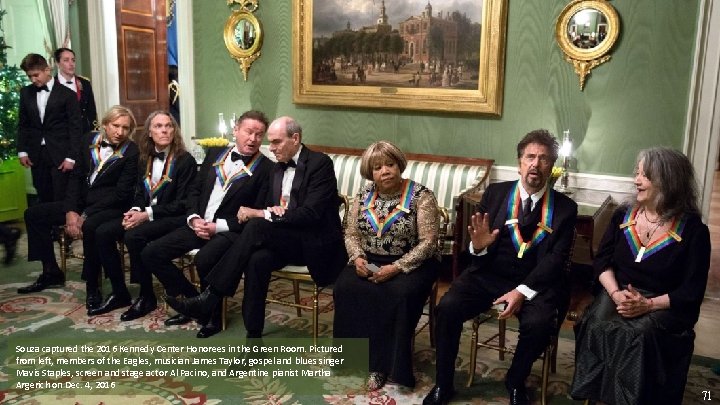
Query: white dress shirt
(105, 152)
(286, 186)
(218, 193)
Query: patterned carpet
(60, 314)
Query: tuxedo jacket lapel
(207, 188)
(299, 177)
(32, 104)
(234, 187)
(277, 185)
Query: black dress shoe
(141, 307)
(518, 396)
(438, 396)
(11, 244)
(178, 319)
(207, 331)
(112, 303)
(93, 299)
(199, 308)
(214, 325)
(46, 280)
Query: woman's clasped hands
(630, 303)
(385, 272)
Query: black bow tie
(69, 82)
(236, 156)
(44, 87)
(158, 155)
(285, 165)
(106, 144)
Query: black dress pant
(49, 182)
(158, 255)
(40, 219)
(95, 254)
(473, 293)
(261, 248)
(135, 239)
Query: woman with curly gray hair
(635, 342)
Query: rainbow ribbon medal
(153, 189)
(246, 170)
(543, 227)
(95, 147)
(633, 239)
(401, 209)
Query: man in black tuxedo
(49, 129)
(101, 187)
(165, 172)
(229, 178)
(65, 59)
(300, 226)
(521, 237)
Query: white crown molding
(587, 188)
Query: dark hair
(542, 137)
(379, 151)
(673, 175)
(58, 53)
(253, 115)
(146, 144)
(33, 61)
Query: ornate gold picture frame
(431, 69)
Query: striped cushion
(446, 180)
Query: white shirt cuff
(528, 292)
(268, 215)
(22, 154)
(70, 160)
(190, 218)
(221, 226)
(480, 253)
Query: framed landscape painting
(441, 55)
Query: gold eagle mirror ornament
(586, 30)
(243, 34)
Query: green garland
(12, 79)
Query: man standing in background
(49, 129)
(65, 59)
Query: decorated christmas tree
(11, 80)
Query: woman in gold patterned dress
(391, 238)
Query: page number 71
(706, 395)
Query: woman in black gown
(635, 342)
(391, 238)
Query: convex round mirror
(586, 30)
(243, 38)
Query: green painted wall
(636, 100)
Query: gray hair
(672, 174)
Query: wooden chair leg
(473, 353)
(553, 356)
(546, 373)
(296, 292)
(431, 315)
(315, 314)
(502, 324)
(223, 315)
(63, 252)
